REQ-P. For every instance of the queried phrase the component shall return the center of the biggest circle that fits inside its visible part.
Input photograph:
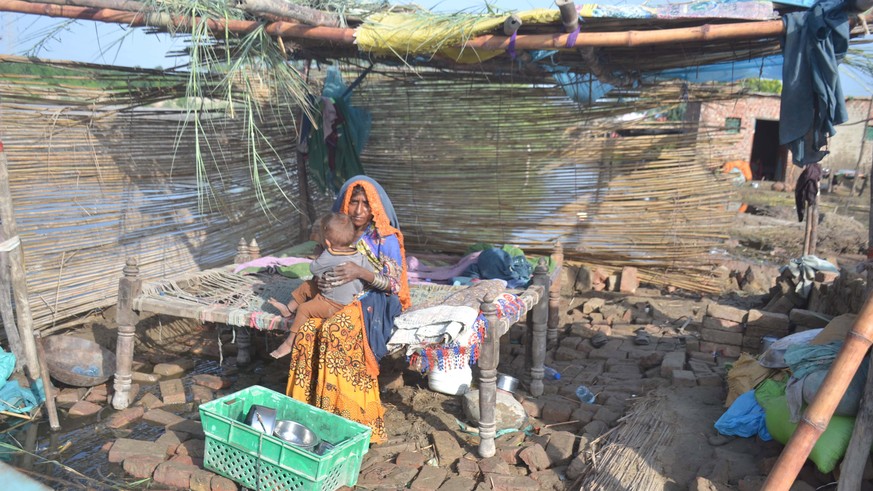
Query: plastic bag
(744, 376)
(7, 365)
(17, 399)
(831, 445)
(744, 418)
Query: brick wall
(748, 109)
(845, 146)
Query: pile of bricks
(830, 293)
(727, 331)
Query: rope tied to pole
(510, 50)
(571, 38)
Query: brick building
(756, 119)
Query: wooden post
(555, 297)
(857, 181)
(818, 414)
(128, 289)
(569, 15)
(852, 468)
(488, 379)
(862, 435)
(812, 216)
(511, 25)
(18, 276)
(807, 230)
(870, 236)
(7, 313)
(303, 173)
(539, 323)
(50, 391)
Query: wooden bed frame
(543, 319)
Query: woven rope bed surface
(219, 295)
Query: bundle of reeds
(626, 457)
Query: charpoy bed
(224, 297)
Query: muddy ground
(631, 402)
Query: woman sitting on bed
(335, 362)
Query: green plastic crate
(264, 462)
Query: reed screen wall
(92, 188)
(464, 162)
(508, 163)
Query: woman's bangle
(380, 282)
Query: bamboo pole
(126, 5)
(570, 21)
(17, 273)
(50, 391)
(161, 20)
(817, 416)
(7, 313)
(707, 32)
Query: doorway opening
(768, 157)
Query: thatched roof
(612, 43)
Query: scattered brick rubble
(652, 341)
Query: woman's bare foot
(281, 307)
(283, 350)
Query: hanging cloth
(335, 147)
(815, 42)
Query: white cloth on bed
(439, 324)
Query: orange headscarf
(384, 227)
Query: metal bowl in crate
(296, 434)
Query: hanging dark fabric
(806, 191)
(812, 97)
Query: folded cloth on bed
(440, 324)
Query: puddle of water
(80, 440)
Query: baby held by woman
(337, 233)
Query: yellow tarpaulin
(424, 33)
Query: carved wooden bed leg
(128, 289)
(242, 336)
(555, 297)
(243, 255)
(243, 345)
(488, 379)
(539, 320)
